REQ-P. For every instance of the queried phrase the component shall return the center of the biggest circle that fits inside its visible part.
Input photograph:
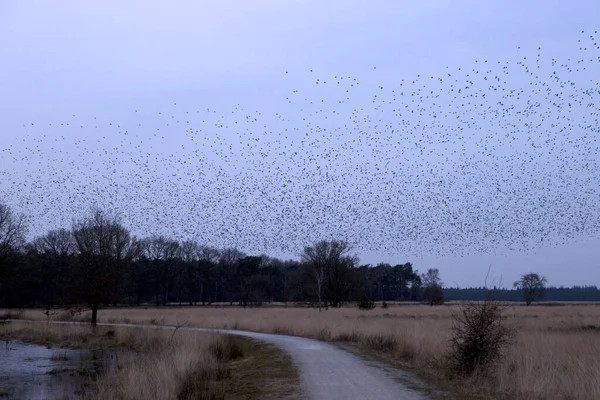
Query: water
(37, 372)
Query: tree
(403, 277)
(104, 250)
(251, 285)
(12, 232)
(207, 273)
(55, 250)
(189, 257)
(272, 272)
(532, 285)
(297, 281)
(162, 252)
(12, 241)
(228, 259)
(330, 262)
(432, 286)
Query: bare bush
(227, 349)
(365, 303)
(480, 337)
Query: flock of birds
(482, 157)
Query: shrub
(480, 337)
(434, 295)
(384, 305)
(227, 349)
(365, 303)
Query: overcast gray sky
(122, 100)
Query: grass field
(556, 354)
(162, 364)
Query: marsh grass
(161, 364)
(555, 354)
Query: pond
(37, 372)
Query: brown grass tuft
(227, 348)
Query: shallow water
(36, 372)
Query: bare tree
(162, 252)
(12, 232)
(228, 259)
(208, 253)
(152, 249)
(532, 285)
(208, 257)
(105, 248)
(328, 260)
(56, 242)
(55, 250)
(189, 256)
(12, 240)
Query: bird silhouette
(488, 155)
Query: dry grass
(556, 354)
(170, 365)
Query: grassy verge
(264, 373)
(163, 364)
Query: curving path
(326, 371)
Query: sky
(268, 125)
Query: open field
(160, 364)
(556, 354)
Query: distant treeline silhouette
(575, 293)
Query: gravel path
(330, 373)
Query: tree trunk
(320, 278)
(201, 296)
(179, 293)
(94, 315)
(319, 293)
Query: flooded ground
(36, 372)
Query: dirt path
(327, 372)
(330, 373)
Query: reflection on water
(36, 372)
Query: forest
(98, 262)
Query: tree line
(551, 293)
(98, 262)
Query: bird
(485, 156)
